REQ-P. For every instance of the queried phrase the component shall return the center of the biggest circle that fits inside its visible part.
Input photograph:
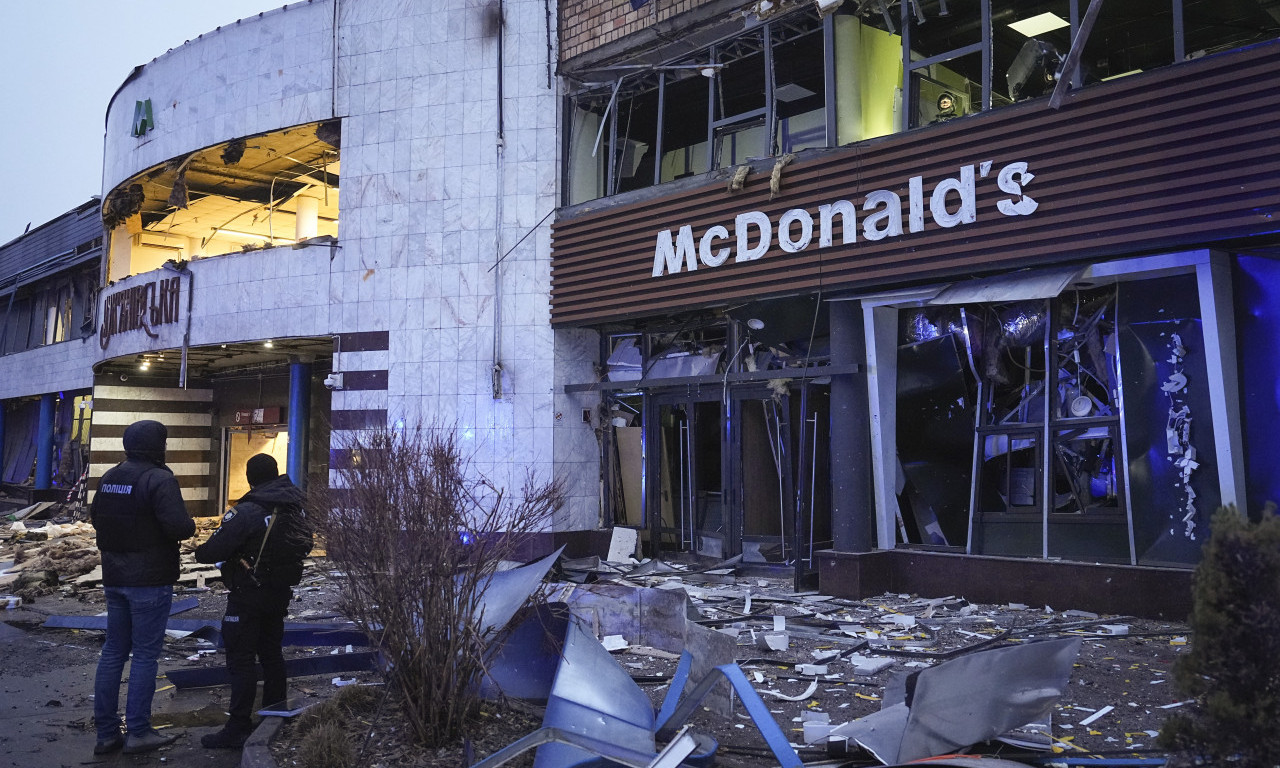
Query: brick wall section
(588, 24)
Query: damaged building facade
(49, 279)
(329, 218)
(941, 296)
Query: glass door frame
(739, 396)
(684, 488)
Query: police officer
(260, 547)
(139, 517)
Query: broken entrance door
(742, 470)
(241, 443)
(762, 473)
(685, 510)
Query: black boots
(232, 736)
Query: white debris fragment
(1092, 718)
(1074, 614)
(813, 686)
(814, 732)
(614, 642)
(868, 665)
(773, 641)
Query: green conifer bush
(1232, 669)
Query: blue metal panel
(299, 418)
(759, 711)
(593, 695)
(1257, 288)
(44, 443)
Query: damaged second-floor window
(794, 79)
(48, 312)
(270, 190)
(759, 94)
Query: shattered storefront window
(1015, 421)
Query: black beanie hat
(146, 439)
(260, 469)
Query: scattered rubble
(812, 675)
(44, 549)
(726, 663)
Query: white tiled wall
(257, 74)
(420, 233)
(66, 365)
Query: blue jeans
(136, 618)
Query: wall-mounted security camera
(333, 381)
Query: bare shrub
(417, 532)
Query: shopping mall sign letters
(952, 202)
(142, 306)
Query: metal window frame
(1076, 9)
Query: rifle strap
(270, 524)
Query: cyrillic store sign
(952, 202)
(140, 307)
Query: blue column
(2, 411)
(299, 418)
(852, 505)
(44, 443)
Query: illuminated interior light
(1039, 24)
(253, 235)
(1122, 74)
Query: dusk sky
(62, 60)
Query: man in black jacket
(140, 518)
(260, 547)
